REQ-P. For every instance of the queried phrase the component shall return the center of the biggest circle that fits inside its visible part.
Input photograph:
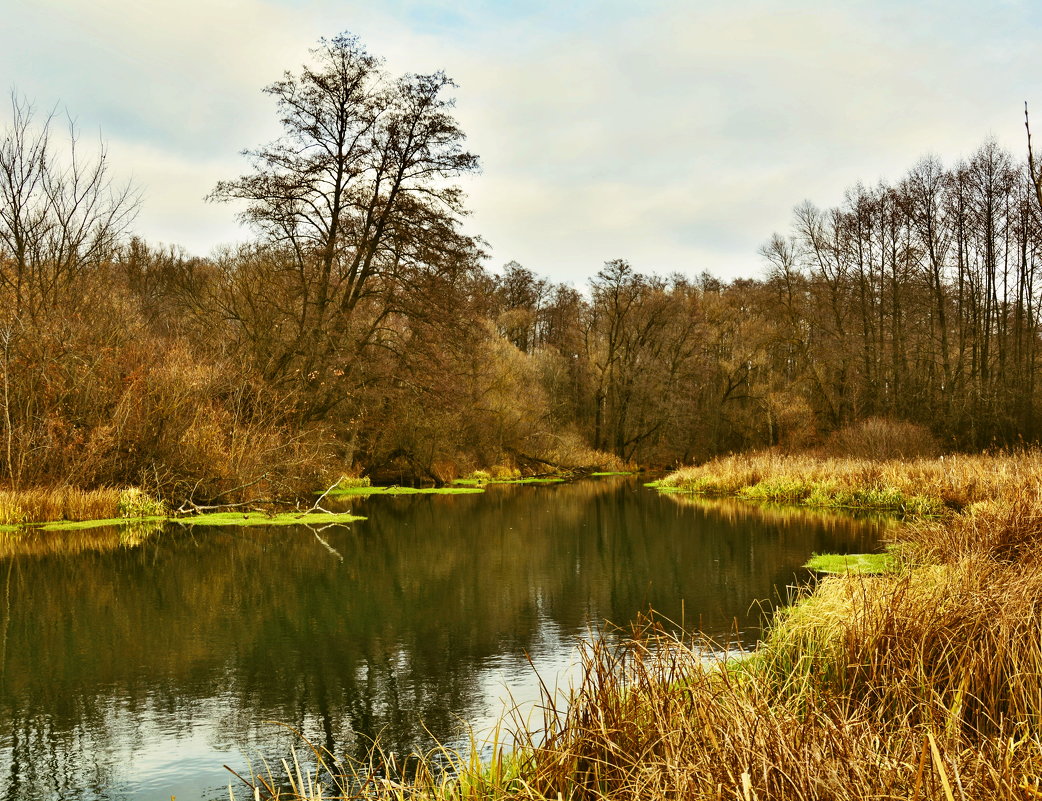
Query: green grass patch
(860, 563)
(780, 490)
(482, 482)
(210, 519)
(79, 525)
(263, 519)
(615, 473)
(794, 490)
(365, 491)
(705, 485)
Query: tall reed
(57, 503)
(954, 481)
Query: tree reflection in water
(135, 667)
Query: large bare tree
(355, 196)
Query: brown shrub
(880, 438)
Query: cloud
(676, 134)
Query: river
(134, 665)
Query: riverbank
(72, 509)
(923, 682)
(914, 487)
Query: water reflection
(134, 669)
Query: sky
(676, 135)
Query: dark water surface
(133, 666)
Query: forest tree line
(359, 329)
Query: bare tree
(1034, 170)
(356, 193)
(60, 213)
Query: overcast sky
(677, 135)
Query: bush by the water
(880, 438)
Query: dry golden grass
(955, 480)
(650, 721)
(57, 503)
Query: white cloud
(676, 134)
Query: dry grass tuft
(953, 482)
(58, 503)
(651, 721)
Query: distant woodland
(360, 331)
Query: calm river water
(135, 667)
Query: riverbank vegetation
(863, 563)
(916, 487)
(923, 681)
(360, 330)
(71, 509)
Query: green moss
(862, 563)
(262, 519)
(349, 491)
(615, 473)
(78, 525)
(483, 482)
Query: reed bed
(926, 485)
(57, 503)
(922, 683)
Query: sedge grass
(39, 505)
(916, 487)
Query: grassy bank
(69, 506)
(366, 490)
(924, 682)
(915, 487)
(71, 509)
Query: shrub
(134, 502)
(353, 481)
(879, 438)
